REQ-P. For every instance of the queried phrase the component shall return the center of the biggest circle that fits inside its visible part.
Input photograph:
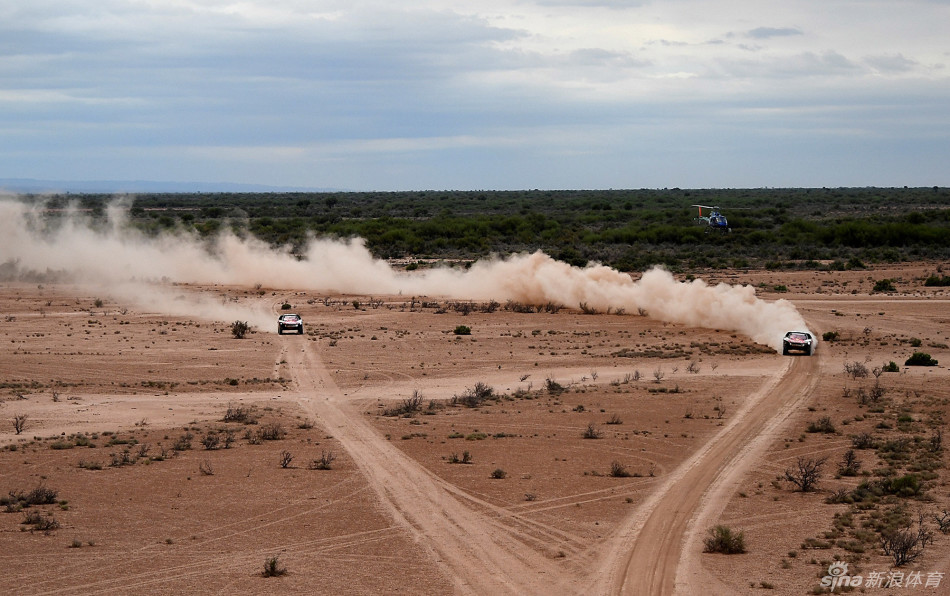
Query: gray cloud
(895, 63)
(768, 32)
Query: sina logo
(838, 577)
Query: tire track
(479, 552)
(648, 549)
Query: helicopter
(715, 221)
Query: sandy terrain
(124, 407)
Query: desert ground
(546, 452)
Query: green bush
(722, 539)
(935, 280)
(830, 336)
(891, 367)
(884, 285)
(463, 330)
(920, 359)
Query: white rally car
(801, 341)
(289, 322)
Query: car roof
(289, 315)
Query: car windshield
(797, 336)
(290, 318)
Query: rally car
(801, 341)
(289, 322)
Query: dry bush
(618, 470)
(850, 465)
(856, 370)
(905, 544)
(19, 422)
(807, 473)
(241, 414)
(324, 462)
(408, 407)
(271, 432)
(591, 432)
(273, 568)
(285, 458)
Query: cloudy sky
(486, 94)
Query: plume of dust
(123, 262)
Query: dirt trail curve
(655, 551)
(482, 554)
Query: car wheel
(784, 350)
(300, 331)
(280, 331)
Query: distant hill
(30, 185)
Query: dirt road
(655, 551)
(484, 552)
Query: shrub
(722, 539)
(806, 474)
(856, 370)
(499, 474)
(830, 336)
(408, 406)
(884, 285)
(553, 387)
(285, 458)
(41, 523)
(472, 398)
(920, 359)
(211, 440)
(272, 432)
(822, 425)
(591, 432)
(850, 465)
(906, 544)
(285, 306)
(465, 459)
(183, 443)
(19, 422)
(239, 329)
(891, 367)
(236, 413)
(618, 470)
(463, 330)
(273, 568)
(324, 462)
(937, 280)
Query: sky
(520, 94)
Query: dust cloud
(118, 260)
